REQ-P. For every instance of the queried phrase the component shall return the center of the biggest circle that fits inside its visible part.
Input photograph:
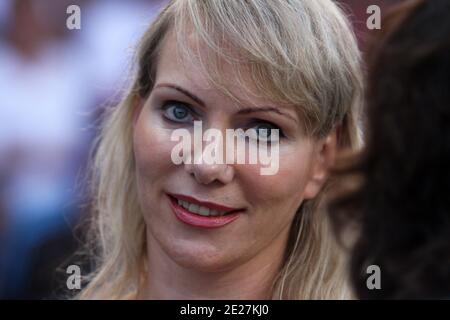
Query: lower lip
(201, 221)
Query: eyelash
(167, 104)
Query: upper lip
(207, 204)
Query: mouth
(202, 214)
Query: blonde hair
(301, 52)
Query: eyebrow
(266, 109)
(183, 91)
(241, 111)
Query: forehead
(171, 65)
(177, 68)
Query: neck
(251, 280)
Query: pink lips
(202, 221)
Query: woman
(292, 67)
(400, 204)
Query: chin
(204, 258)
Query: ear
(137, 105)
(323, 158)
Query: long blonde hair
(301, 52)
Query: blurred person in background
(52, 82)
(40, 73)
(397, 196)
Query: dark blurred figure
(399, 186)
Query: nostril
(208, 173)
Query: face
(267, 203)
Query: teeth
(193, 208)
(184, 204)
(203, 211)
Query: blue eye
(177, 112)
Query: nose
(206, 172)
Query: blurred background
(54, 84)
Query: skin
(241, 259)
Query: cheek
(152, 146)
(275, 199)
(294, 172)
(286, 187)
